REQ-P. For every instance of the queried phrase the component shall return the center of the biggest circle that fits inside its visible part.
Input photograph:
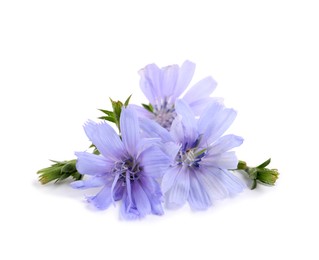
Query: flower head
(199, 171)
(163, 86)
(127, 168)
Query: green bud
(268, 176)
(259, 174)
(59, 171)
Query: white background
(61, 60)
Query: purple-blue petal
(129, 130)
(103, 199)
(141, 199)
(154, 194)
(128, 210)
(92, 164)
(119, 190)
(92, 182)
(154, 162)
(105, 139)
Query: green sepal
(264, 164)
(148, 107)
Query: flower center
(190, 156)
(127, 168)
(164, 114)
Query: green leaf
(127, 101)
(107, 112)
(107, 118)
(264, 164)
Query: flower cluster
(165, 154)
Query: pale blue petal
(150, 83)
(227, 160)
(200, 90)
(154, 162)
(103, 199)
(212, 184)
(179, 192)
(219, 183)
(169, 79)
(171, 149)
(152, 129)
(177, 130)
(198, 107)
(146, 143)
(105, 139)
(92, 182)
(198, 198)
(92, 164)
(169, 177)
(233, 184)
(141, 111)
(185, 75)
(215, 120)
(209, 115)
(188, 120)
(129, 130)
(225, 143)
(141, 200)
(220, 125)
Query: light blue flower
(163, 86)
(127, 169)
(199, 172)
